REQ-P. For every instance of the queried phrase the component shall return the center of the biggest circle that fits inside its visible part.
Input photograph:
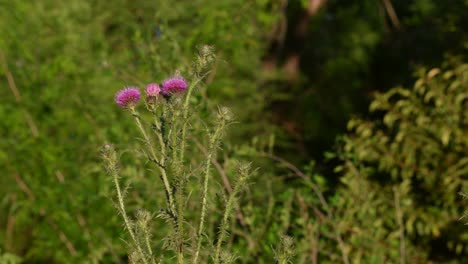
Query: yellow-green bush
(404, 169)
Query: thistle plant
(165, 128)
(285, 250)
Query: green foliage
(8, 258)
(352, 48)
(465, 214)
(61, 63)
(401, 173)
(406, 169)
(285, 251)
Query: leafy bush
(404, 170)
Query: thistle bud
(224, 114)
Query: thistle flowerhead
(127, 97)
(110, 156)
(224, 114)
(176, 84)
(206, 57)
(206, 51)
(143, 218)
(152, 90)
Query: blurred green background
(300, 76)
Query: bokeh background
(366, 100)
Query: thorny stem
(161, 167)
(180, 257)
(319, 194)
(227, 213)
(180, 219)
(148, 245)
(211, 151)
(283, 260)
(125, 217)
(185, 115)
(180, 228)
(181, 159)
(174, 140)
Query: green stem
(180, 226)
(148, 245)
(180, 217)
(180, 257)
(211, 151)
(181, 160)
(161, 167)
(224, 223)
(227, 214)
(125, 217)
(185, 116)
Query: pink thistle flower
(152, 90)
(174, 84)
(127, 97)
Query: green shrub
(403, 170)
